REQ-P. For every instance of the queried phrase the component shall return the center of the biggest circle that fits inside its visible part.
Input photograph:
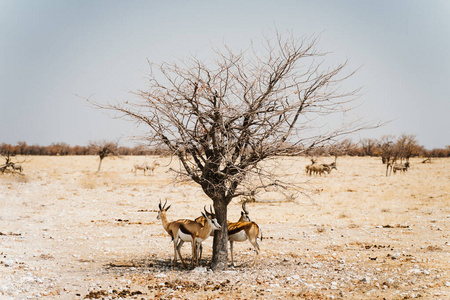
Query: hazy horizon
(54, 53)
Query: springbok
(145, 167)
(308, 168)
(139, 167)
(322, 168)
(240, 231)
(328, 167)
(190, 227)
(402, 167)
(17, 168)
(153, 166)
(172, 229)
(196, 233)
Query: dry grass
(70, 232)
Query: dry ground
(68, 232)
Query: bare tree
(392, 149)
(103, 149)
(389, 152)
(407, 146)
(224, 116)
(368, 147)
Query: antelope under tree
(225, 115)
(10, 165)
(242, 230)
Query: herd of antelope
(319, 169)
(198, 230)
(145, 167)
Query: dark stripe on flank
(184, 230)
(235, 230)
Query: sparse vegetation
(69, 232)
(365, 147)
(61, 149)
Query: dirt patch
(69, 232)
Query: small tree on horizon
(368, 146)
(103, 149)
(408, 146)
(224, 116)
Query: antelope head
(244, 213)
(162, 209)
(211, 218)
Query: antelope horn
(210, 209)
(165, 204)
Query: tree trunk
(99, 164)
(220, 243)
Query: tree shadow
(150, 265)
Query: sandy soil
(68, 232)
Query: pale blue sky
(50, 51)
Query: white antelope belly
(238, 237)
(184, 237)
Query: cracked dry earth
(67, 232)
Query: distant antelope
(145, 167)
(17, 168)
(322, 168)
(138, 167)
(153, 166)
(329, 167)
(308, 168)
(401, 167)
(317, 169)
(14, 167)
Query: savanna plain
(68, 232)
